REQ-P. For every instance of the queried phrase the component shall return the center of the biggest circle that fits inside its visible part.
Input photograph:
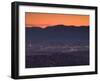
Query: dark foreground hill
(58, 32)
(57, 45)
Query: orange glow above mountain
(47, 19)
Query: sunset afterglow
(46, 19)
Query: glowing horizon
(47, 19)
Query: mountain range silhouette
(58, 32)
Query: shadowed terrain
(57, 45)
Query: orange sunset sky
(47, 19)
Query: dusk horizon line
(32, 26)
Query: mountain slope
(58, 32)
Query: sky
(47, 19)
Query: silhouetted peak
(58, 27)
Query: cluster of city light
(62, 48)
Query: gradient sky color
(47, 19)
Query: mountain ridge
(54, 26)
(58, 32)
